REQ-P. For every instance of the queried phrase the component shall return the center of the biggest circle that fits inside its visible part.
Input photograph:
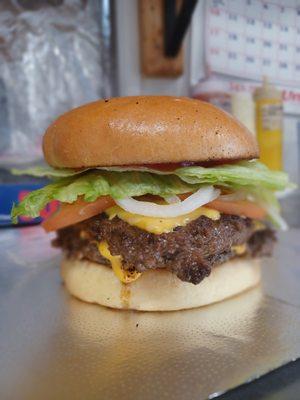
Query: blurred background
(241, 55)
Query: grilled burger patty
(189, 251)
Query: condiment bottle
(243, 109)
(269, 115)
(214, 91)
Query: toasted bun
(157, 290)
(146, 130)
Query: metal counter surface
(56, 347)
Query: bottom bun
(157, 290)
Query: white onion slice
(148, 209)
(172, 199)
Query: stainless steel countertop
(56, 347)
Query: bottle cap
(267, 91)
(211, 85)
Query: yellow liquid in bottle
(269, 132)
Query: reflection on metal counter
(55, 347)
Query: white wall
(130, 79)
(291, 147)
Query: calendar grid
(253, 38)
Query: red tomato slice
(240, 207)
(70, 214)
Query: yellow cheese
(240, 249)
(160, 225)
(116, 264)
(258, 225)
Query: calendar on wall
(254, 38)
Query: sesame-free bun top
(146, 130)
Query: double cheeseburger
(163, 205)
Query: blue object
(11, 193)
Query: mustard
(269, 124)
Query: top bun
(146, 130)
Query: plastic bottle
(214, 91)
(243, 109)
(269, 115)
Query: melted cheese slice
(160, 225)
(239, 249)
(259, 226)
(242, 248)
(116, 264)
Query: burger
(163, 204)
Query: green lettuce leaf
(92, 185)
(268, 200)
(245, 173)
(254, 178)
(53, 173)
(48, 172)
(36, 200)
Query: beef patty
(189, 251)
